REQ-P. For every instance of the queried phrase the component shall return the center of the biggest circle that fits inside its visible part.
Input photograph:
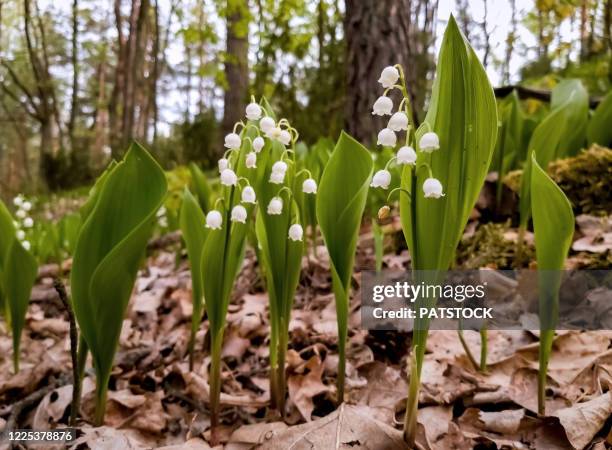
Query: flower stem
(214, 380)
(412, 405)
(546, 340)
(101, 394)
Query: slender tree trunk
(509, 43)
(75, 73)
(236, 64)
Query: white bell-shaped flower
(398, 121)
(285, 137)
(27, 206)
(279, 166)
(432, 188)
(309, 186)
(274, 133)
(26, 245)
(21, 214)
(266, 124)
(18, 201)
(28, 222)
(382, 106)
(214, 220)
(239, 214)
(21, 235)
(296, 232)
(248, 195)
(253, 111)
(387, 137)
(258, 144)
(228, 178)
(406, 155)
(232, 141)
(381, 179)
(389, 77)
(429, 142)
(277, 177)
(223, 164)
(251, 160)
(275, 207)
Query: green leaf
(7, 234)
(341, 200)
(200, 186)
(463, 113)
(599, 129)
(192, 223)
(109, 249)
(571, 95)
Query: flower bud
(277, 177)
(387, 137)
(389, 77)
(429, 142)
(266, 124)
(406, 155)
(253, 111)
(239, 214)
(309, 186)
(432, 188)
(28, 222)
(279, 166)
(251, 160)
(21, 214)
(248, 195)
(275, 207)
(21, 235)
(296, 232)
(382, 106)
(274, 133)
(18, 201)
(398, 121)
(285, 137)
(232, 141)
(223, 164)
(27, 206)
(258, 144)
(26, 245)
(381, 179)
(214, 220)
(384, 212)
(228, 178)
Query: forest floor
(155, 401)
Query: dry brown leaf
(248, 436)
(582, 421)
(435, 420)
(347, 427)
(384, 387)
(304, 386)
(190, 444)
(52, 407)
(107, 438)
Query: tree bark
(236, 64)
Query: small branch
(61, 292)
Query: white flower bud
(21, 235)
(398, 121)
(266, 124)
(258, 144)
(277, 177)
(279, 166)
(232, 141)
(309, 186)
(26, 245)
(432, 188)
(161, 212)
(406, 155)
(21, 214)
(228, 178)
(27, 206)
(275, 207)
(253, 111)
(251, 160)
(382, 106)
(274, 133)
(162, 222)
(239, 214)
(28, 222)
(429, 142)
(296, 232)
(18, 201)
(248, 195)
(223, 164)
(381, 179)
(389, 77)
(214, 220)
(285, 137)
(387, 137)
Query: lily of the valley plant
(444, 166)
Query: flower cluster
(267, 129)
(24, 221)
(398, 122)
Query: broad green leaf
(7, 234)
(19, 274)
(192, 223)
(109, 249)
(571, 95)
(463, 113)
(599, 129)
(553, 223)
(201, 187)
(341, 200)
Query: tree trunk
(382, 33)
(236, 64)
